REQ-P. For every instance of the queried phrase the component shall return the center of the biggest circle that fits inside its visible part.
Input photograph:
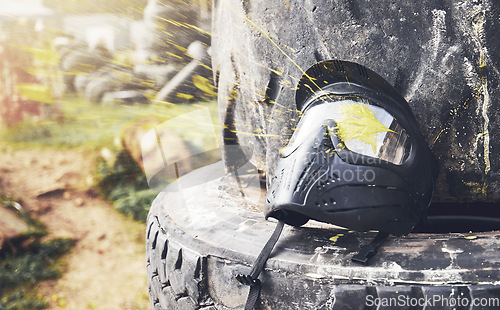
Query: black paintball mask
(357, 158)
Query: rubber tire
(77, 62)
(98, 86)
(196, 247)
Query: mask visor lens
(363, 128)
(370, 130)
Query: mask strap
(369, 250)
(252, 278)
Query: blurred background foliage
(98, 75)
(81, 78)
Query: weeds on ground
(125, 185)
(21, 271)
(22, 267)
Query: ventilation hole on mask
(362, 71)
(303, 175)
(311, 178)
(332, 201)
(321, 183)
(316, 70)
(338, 66)
(317, 204)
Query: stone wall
(443, 56)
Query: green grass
(125, 186)
(20, 272)
(91, 126)
(22, 267)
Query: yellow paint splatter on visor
(359, 122)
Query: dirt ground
(106, 267)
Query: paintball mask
(356, 159)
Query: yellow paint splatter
(173, 55)
(274, 43)
(336, 237)
(36, 92)
(290, 48)
(276, 72)
(184, 96)
(359, 122)
(244, 133)
(204, 85)
(484, 188)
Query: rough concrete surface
(443, 56)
